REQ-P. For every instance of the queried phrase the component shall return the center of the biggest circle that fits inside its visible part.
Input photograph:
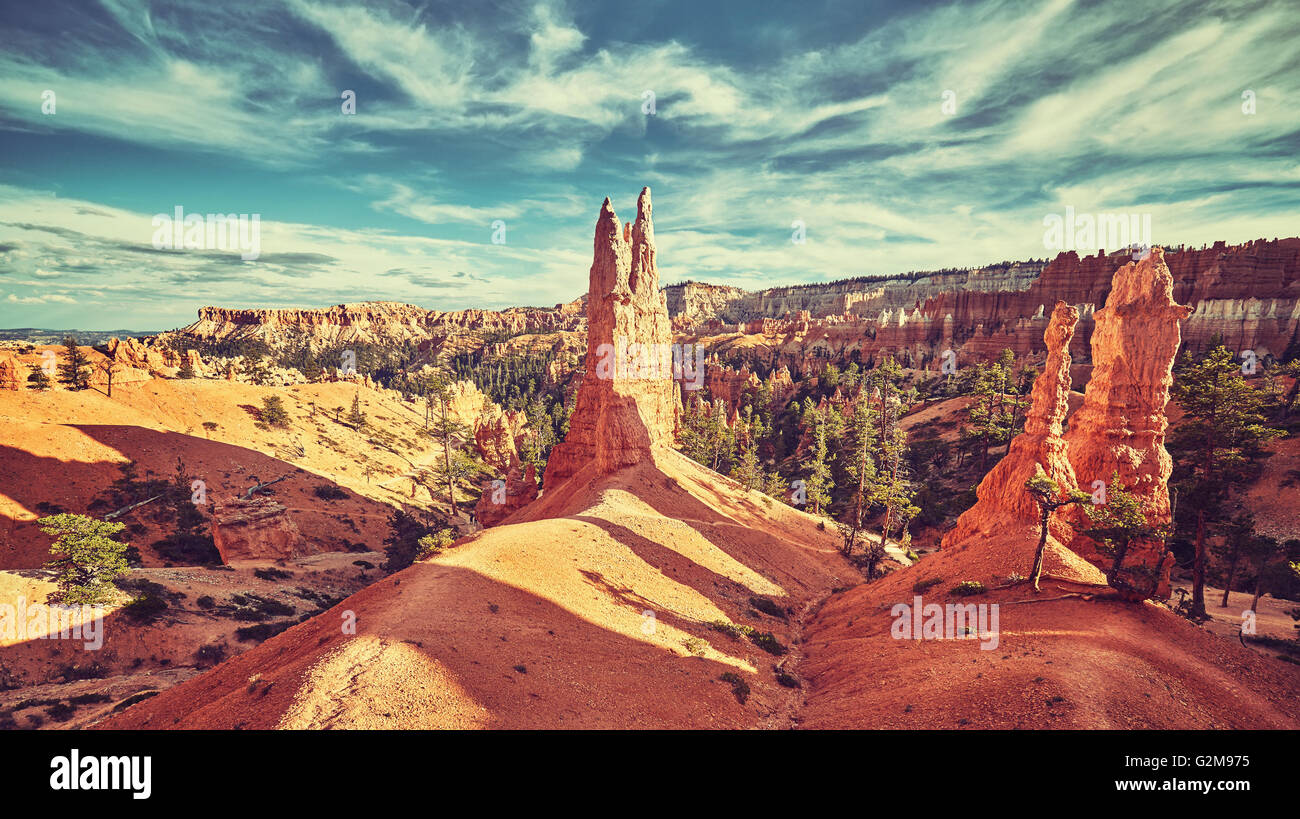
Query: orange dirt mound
(586, 619)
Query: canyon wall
(1246, 295)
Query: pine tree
(72, 371)
(450, 434)
(748, 471)
(86, 558)
(861, 467)
(273, 413)
(1222, 431)
(1115, 525)
(39, 379)
(356, 417)
(819, 484)
(1049, 497)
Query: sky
(785, 143)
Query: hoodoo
(624, 409)
(1005, 514)
(1121, 426)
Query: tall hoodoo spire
(626, 405)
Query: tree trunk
(1259, 590)
(1232, 573)
(1042, 547)
(1116, 563)
(1198, 567)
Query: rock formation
(497, 432)
(626, 404)
(1004, 508)
(259, 528)
(1121, 425)
(376, 323)
(1246, 294)
(501, 498)
(12, 372)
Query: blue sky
(530, 113)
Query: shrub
(433, 544)
(146, 608)
(696, 646)
(188, 548)
(273, 412)
(767, 606)
(967, 588)
(271, 574)
(210, 655)
(787, 680)
(738, 686)
(261, 631)
(61, 711)
(923, 586)
(733, 631)
(328, 491)
(767, 641)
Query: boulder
(259, 528)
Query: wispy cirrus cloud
(917, 137)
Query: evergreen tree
(450, 434)
(86, 558)
(1047, 493)
(356, 417)
(273, 413)
(819, 484)
(73, 369)
(748, 471)
(1222, 432)
(861, 467)
(1115, 525)
(39, 380)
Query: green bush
(967, 588)
(738, 686)
(767, 641)
(328, 491)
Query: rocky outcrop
(375, 322)
(137, 362)
(690, 303)
(12, 371)
(1120, 428)
(255, 529)
(1004, 508)
(497, 432)
(501, 498)
(1248, 295)
(626, 405)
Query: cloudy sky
(903, 136)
